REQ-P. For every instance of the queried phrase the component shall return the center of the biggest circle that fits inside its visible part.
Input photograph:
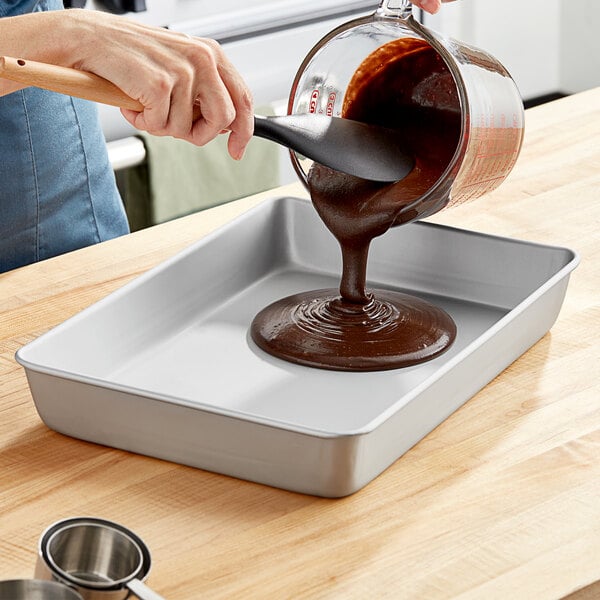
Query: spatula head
(359, 149)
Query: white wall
(524, 35)
(547, 45)
(580, 45)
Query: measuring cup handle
(394, 8)
(142, 591)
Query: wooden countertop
(500, 501)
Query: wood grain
(500, 501)
(64, 80)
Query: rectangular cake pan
(165, 366)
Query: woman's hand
(191, 91)
(431, 6)
(187, 85)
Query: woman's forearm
(42, 36)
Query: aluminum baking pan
(165, 366)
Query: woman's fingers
(431, 6)
(223, 102)
(198, 99)
(242, 125)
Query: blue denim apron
(57, 189)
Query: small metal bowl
(36, 589)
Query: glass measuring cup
(458, 113)
(479, 88)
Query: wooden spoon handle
(64, 80)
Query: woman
(57, 190)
